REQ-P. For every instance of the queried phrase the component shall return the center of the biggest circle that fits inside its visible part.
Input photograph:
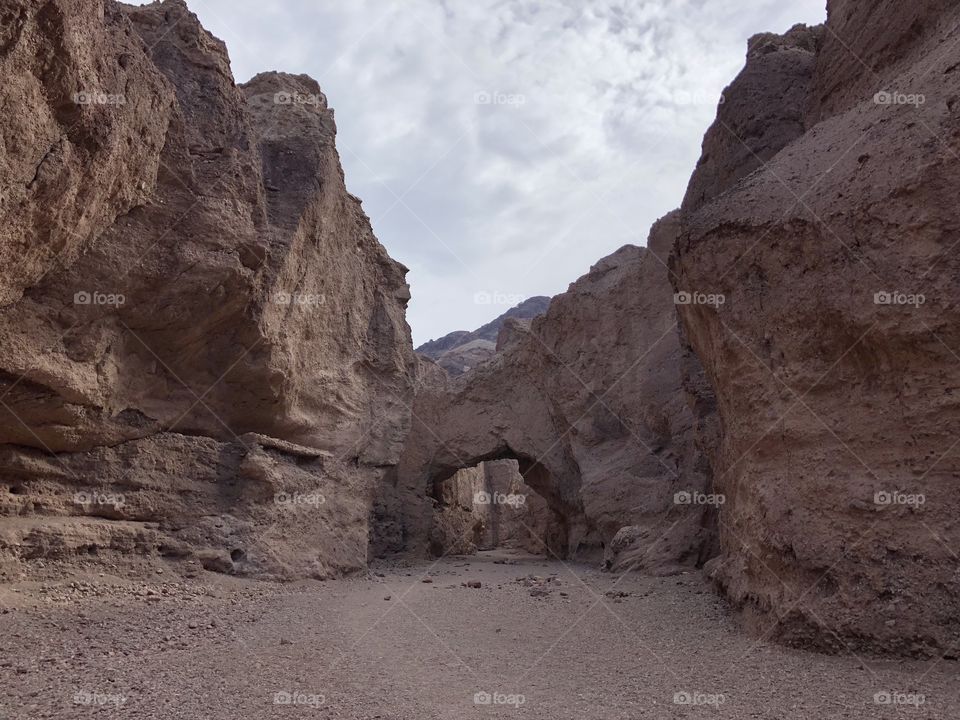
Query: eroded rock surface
(204, 324)
(82, 131)
(587, 399)
(834, 380)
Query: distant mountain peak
(461, 350)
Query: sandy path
(343, 651)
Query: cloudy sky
(501, 147)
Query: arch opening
(501, 503)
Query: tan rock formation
(208, 320)
(81, 136)
(833, 380)
(587, 399)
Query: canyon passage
(716, 475)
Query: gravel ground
(536, 639)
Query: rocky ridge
(461, 350)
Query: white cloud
(589, 135)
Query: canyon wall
(204, 355)
(587, 399)
(203, 347)
(823, 211)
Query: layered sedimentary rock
(587, 399)
(460, 351)
(833, 360)
(195, 316)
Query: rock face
(195, 316)
(762, 111)
(460, 351)
(587, 399)
(81, 137)
(832, 363)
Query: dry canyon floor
(536, 639)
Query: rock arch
(587, 398)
